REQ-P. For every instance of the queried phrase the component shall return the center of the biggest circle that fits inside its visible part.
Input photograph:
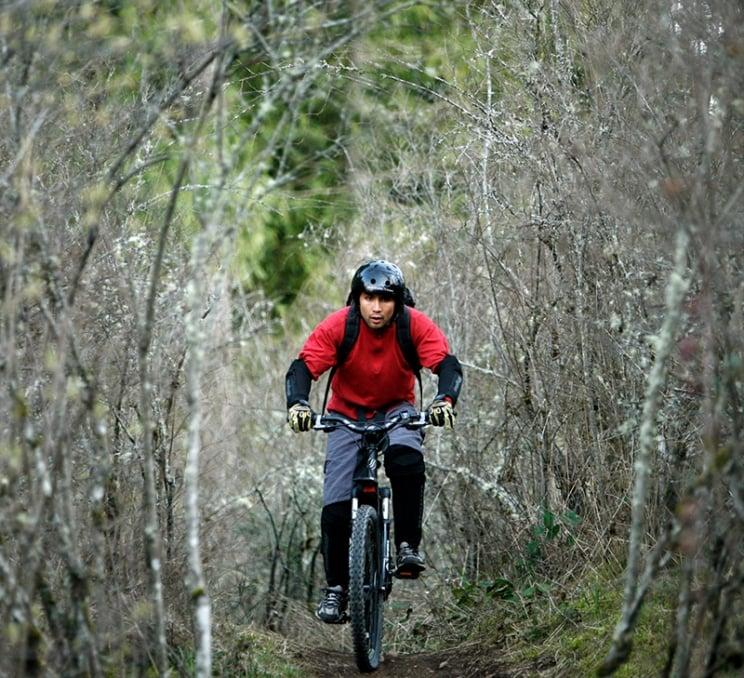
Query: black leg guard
(408, 508)
(406, 470)
(401, 460)
(335, 530)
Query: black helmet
(378, 277)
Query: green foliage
(245, 652)
(586, 623)
(298, 212)
(551, 528)
(299, 146)
(424, 46)
(528, 582)
(304, 199)
(573, 631)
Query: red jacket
(375, 376)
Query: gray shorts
(341, 455)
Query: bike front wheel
(365, 589)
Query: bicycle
(371, 558)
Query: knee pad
(401, 460)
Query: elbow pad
(450, 378)
(297, 383)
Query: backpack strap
(351, 334)
(407, 347)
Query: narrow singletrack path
(459, 662)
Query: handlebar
(330, 422)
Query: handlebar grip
(420, 421)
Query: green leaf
(571, 517)
(501, 588)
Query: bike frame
(366, 490)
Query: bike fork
(386, 544)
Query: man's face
(376, 309)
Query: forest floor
(325, 651)
(464, 661)
(542, 637)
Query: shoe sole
(409, 571)
(340, 620)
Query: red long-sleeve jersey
(375, 376)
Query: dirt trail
(459, 662)
(324, 650)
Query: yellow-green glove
(300, 417)
(441, 413)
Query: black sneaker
(332, 606)
(410, 562)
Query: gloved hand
(300, 417)
(441, 413)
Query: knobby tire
(365, 590)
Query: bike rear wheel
(365, 589)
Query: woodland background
(185, 190)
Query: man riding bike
(371, 379)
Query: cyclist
(372, 381)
